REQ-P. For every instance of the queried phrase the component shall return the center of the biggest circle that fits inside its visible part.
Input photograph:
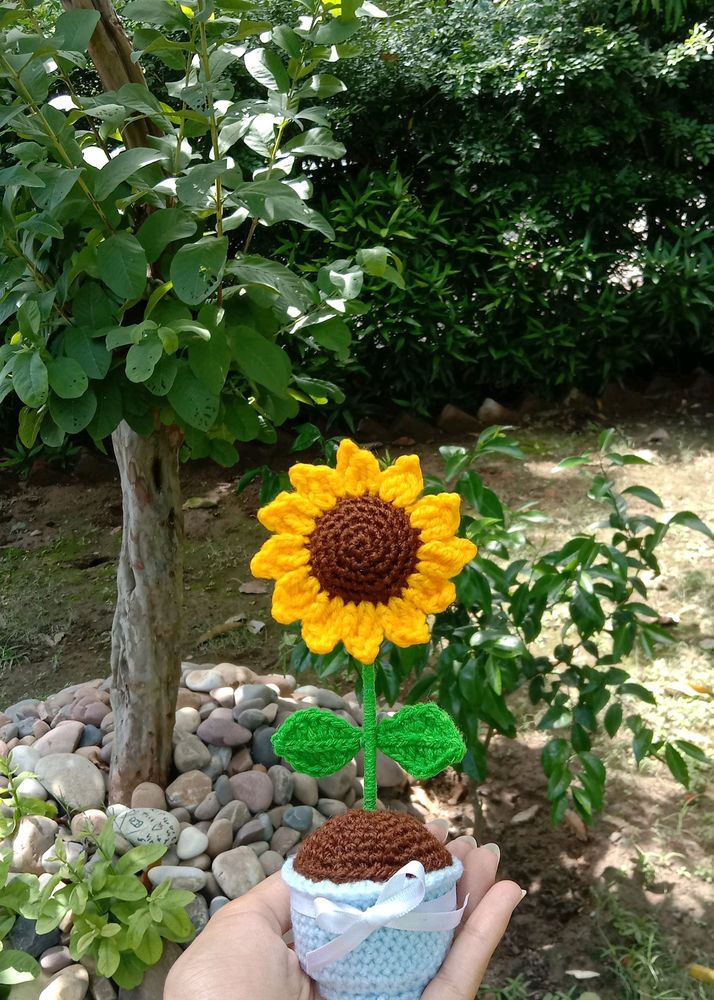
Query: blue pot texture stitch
(390, 964)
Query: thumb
(460, 976)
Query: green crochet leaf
(316, 742)
(422, 738)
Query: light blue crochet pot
(390, 964)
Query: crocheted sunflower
(359, 555)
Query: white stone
(23, 758)
(73, 780)
(180, 876)
(148, 826)
(188, 719)
(34, 836)
(191, 843)
(30, 788)
(71, 983)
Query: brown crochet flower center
(368, 845)
(363, 550)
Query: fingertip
(439, 828)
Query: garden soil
(638, 887)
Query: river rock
(283, 784)
(148, 795)
(254, 830)
(34, 836)
(24, 937)
(203, 680)
(237, 812)
(197, 911)
(237, 871)
(208, 808)
(271, 862)
(180, 876)
(148, 826)
(91, 737)
(221, 731)
(191, 843)
(71, 983)
(55, 959)
(188, 790)
(88, 823)
(72, 780)
(298, 818)
(283, 839)
(251, 718)
(239, 762)
(336, 786)
(331, 807)
(305, 789)
(63, 739)
(254, 788)
(23, 758)
(261, 748)
(31, 788)
(188, 720)
(220, 837)
(223, 789)
(190, 754)
(255, 692)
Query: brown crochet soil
(368, 845)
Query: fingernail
(465, 839)
(440, 828)
(494, 849)
(524, 892)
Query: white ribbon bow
(400, 905)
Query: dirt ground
(619, 911)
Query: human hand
(242, 952)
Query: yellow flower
(358, 555)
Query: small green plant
(557, 623)
(116, 921)
(21, 459)
(16, 805)
(15, 966)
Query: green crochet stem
(369, 736)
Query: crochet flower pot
(373, 902)
(359, 556)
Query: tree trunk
(146, 633)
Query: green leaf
(422, 738)
(108, 413)
(314, 142)
(677, 765)
(322, 85)
(164, 227)
(142, 358)
(315, 742)
(74, 29)
(267, 68)
(613, 719)
(587, 613)
(192, 401)
(686, 519)
(121, 167)
(224, 453)
(67, 378)
(197, 269)
(253, 270)
(29, 318)
(163, 376)
(122, 265)
(28, 428)
(90, 353)
(638, 691)
(210, 360)
(261, 360)
(17, 967)
(73, 415)
(29, 378)
(692, 750)
(93, 309)
(644, 493)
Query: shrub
(552, 626)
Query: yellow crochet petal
(322, 625)
(290, 513)
(294, 595)
(437, 517)
(404, 624)
(279, 555)
(317, 483)
(361, 631)
(357, 468)
(445, 558)
(402, 482)
(431, 594)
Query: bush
(549, 628)
(543, 172)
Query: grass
(637, 955)
(518, 989)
